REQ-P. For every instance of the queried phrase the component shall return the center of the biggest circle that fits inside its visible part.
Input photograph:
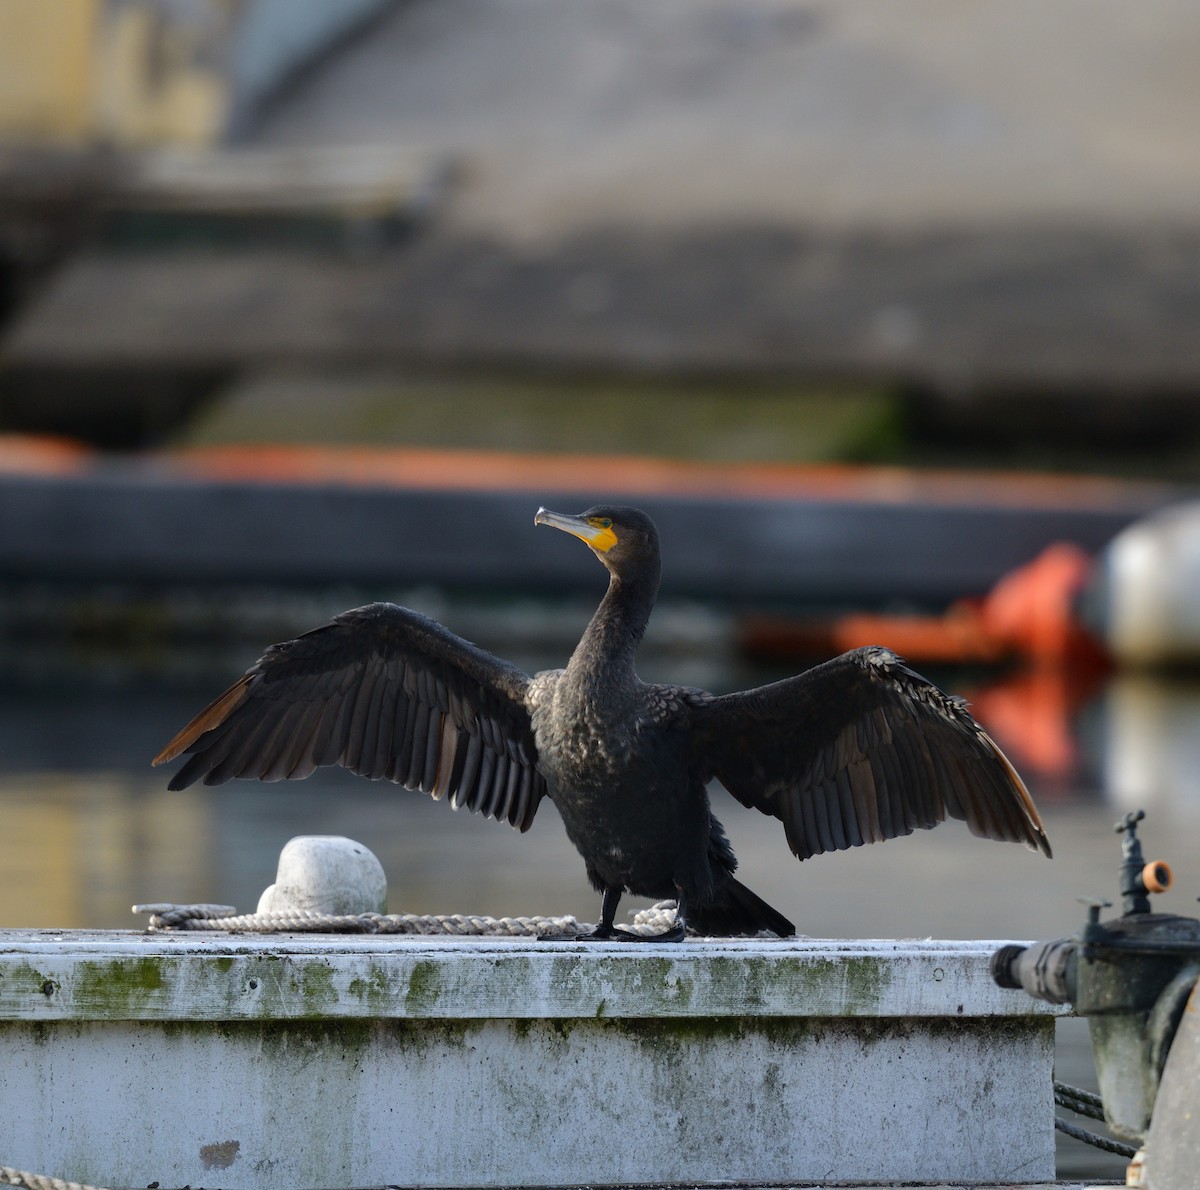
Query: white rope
(37, 1181)
(165, 916)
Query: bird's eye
(600, 522)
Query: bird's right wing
(384, 692)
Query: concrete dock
(269, 1062)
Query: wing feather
(366, 723)
(209, 719)
(239, 757)
(520, 814)
(448, 759)
(495, 790)
(384, 692)
(433, 750)
(301, 749)
(468, 779)
(420, 743)
(855, 789)
(363, 720)
(858, 750)
(408, 739)
(325, 742)
(820, 807)
(810, 831)
(385, 733)
(276, 762)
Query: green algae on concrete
(317, 988)
(423, 987)
(256, 979)
(374, 988)
(119, 989)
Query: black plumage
(857, 750)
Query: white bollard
(326, 874)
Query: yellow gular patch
(603, 539)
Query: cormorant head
(624, 539)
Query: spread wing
(384, 692)
(862, 749)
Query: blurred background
(886, 313)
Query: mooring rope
(37, 1181)
(1076, 1099)
(1085, 1103)
(1095, 1139)
(166, 917)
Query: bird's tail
(734, 909)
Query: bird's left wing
(858, 750)
(384, 692)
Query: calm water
(90, 828)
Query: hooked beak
(598, 537)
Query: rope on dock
(167, 917)
(1076, 1099)
(1095, 1139)
(38, 1181)
(1085, 1103)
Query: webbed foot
(600, 934)
(676, 933)
(619, 934)
(607, 932)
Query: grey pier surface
(265, 1062)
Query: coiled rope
(1085, 1103)
(37, 1181)
(165, 917)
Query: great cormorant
(854, 751)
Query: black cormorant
(853, 751)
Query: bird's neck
(611, 639)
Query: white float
(1145, 599)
